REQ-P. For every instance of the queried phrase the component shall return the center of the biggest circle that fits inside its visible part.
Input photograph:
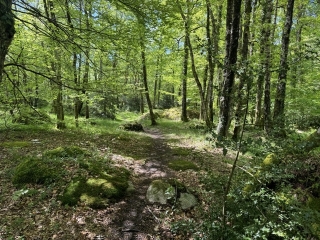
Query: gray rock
(159, 192)
(187, 200)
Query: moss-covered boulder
(64, 152)
(36, 170)
(182, 165)
(160, 191)
(187, 200)
(96, 192)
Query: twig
(157, 219)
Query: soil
(135, 218)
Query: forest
(156, 119)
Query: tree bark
(279, 105)
(267, 74)
(232, 36)
(184, 116)
(244, 77)
(7, 31)
(145, 83)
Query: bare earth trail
(134, 217)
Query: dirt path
(135, 218)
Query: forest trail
(135, 218)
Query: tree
(264, 71)
(232, 36)
(244, 78)
(7, 31)
(278, 112)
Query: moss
(93, 201)
(35, 170)
(182, 165)
(96, 192)
(181, 151)
(15, 144)
(72, 151)
(160, 184)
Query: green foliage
(182, 165)
(36, 171)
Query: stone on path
(159, 192)
(187, 200)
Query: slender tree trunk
(244, 76)
(56, 67)
(267, 64)
(232, 36)
(262, 111)
(203, 106)
(184, 116)
(74, 66)
(278, 112)
(211, 64)
(7, 31)
(145, 83)
(156, 84)
(59, 99)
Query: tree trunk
(7, 31)
(267, 64)
(145, 83)
(232, 36)
(59, 102)
(278, 112)
(184, 116)
(77, 102)
(244, 77)
(211, 64)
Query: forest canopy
(98, 57)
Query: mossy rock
(37, 171)
(96, 192)
(160, 191)
(15, 144)
(182, 165)
(64, 152)
(101, 168)
(270, 161)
